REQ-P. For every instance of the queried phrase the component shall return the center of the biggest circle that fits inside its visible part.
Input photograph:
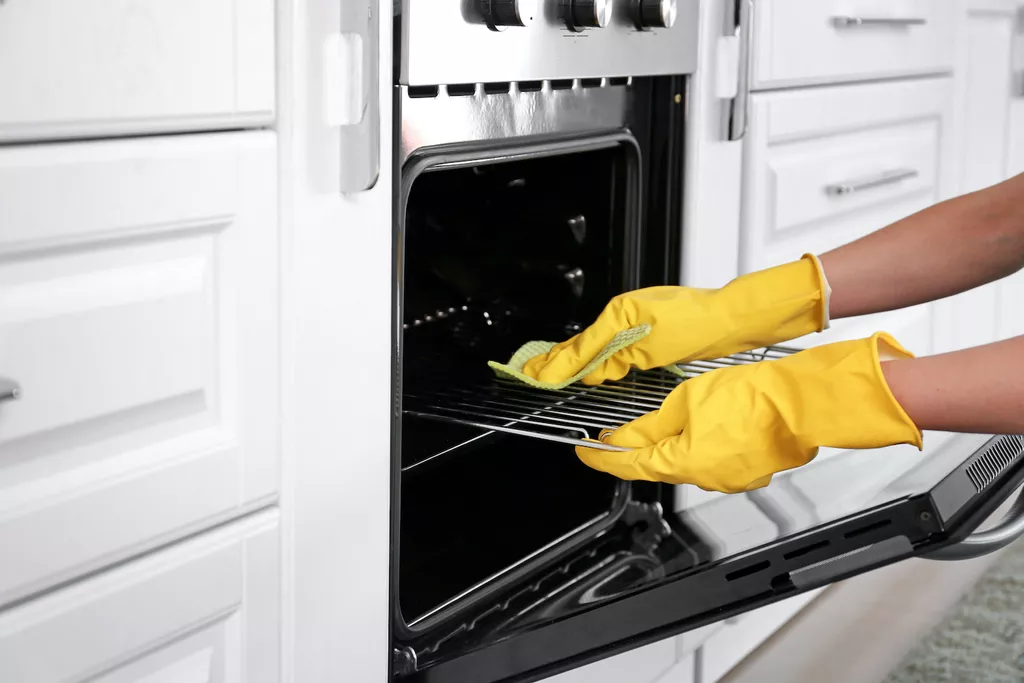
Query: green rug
(982, 640)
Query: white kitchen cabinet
(206, 610)
(139, 313)
(110, 67)
(800, 42)
(825, 166)
(742, 635)
(987, 118)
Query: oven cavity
(497, 252)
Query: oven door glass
(651, 577)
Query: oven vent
(506, 87)
(419, 91)
(574, 415)
(461, 89)
(990, 464)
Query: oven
(539, 172)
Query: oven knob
(581, 14)
(654, 13)
(501, 13)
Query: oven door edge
(885, 534)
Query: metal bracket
(650, 520)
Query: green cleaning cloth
(513, 368)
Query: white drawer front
(741, 636)
(822, 41)
(824, 167)
(138, 312)
(207, 611)
(93, 67)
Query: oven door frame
(458, 155)
(911, 526)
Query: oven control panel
(445, 42)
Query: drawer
(208, 610)
(138, 312)
(96, 67)
(741, 636)
(826, 166)
(799, 42)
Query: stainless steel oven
(538, 173)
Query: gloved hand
(731, 429)
(754, 310)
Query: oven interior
(499, 249)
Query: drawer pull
(887, 178)
(9, 389)
(844, 22)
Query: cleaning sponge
(513, 368)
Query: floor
(862, 629)
(982, 640)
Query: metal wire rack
(574, 415)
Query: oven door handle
(1009, 529)
(739, 25)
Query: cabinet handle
(1009, 529)
(739, 23)
(9, 389)
(860, 184)
(845, 22)
(359, 113)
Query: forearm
(946, 249)
(977, 390)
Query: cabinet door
(206, 611)
(985, 113)
(100, 67)
(741, 636)
(138, 312)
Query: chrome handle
(845, 22)
(861, 184)
(9, 390)
(738, 23)
(360, 139)
(1009, 529)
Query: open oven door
(656, 574)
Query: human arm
(976, 390)
(948, 248)
(731, 429)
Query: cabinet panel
(814, 181)
(138, 312)
(739, 637)
(203, 612)
(821, 41)
(987, 82)
(100, 67)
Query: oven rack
(575, 415)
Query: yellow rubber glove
(754, 310)
(730, 430)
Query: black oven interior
(499, 250)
